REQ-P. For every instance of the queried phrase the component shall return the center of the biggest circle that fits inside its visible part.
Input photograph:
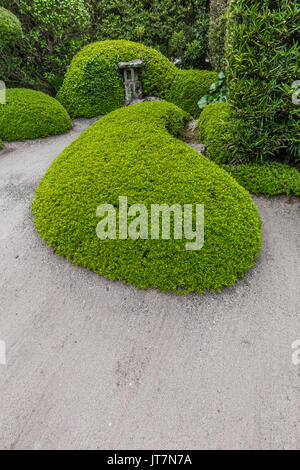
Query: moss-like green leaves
(269, 178)
(132, 152)
(77, 93)
(188, 87)
(10, 27)
(29, 114)
(214, 132)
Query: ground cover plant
(29, 114)
(214, 132)
(95, 68)
(188, 87)
(268, 178)
(133, 152)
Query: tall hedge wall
(262, 64)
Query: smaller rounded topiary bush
(133, 152)
(267, 178)
(214, 131)
(93, 84)
(10, 27)
(29, 114)
(188, 87)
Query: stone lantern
(132, 83)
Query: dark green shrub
(269, 178)
(217, 92)
(214, 132)
(77, 93)
(54, 31)
(1, 144)
(196, 51)
(262, 64)
(188, 87)
(29, 114)
(217, 33)
(10, 27)
(130, 152)
(162, 19)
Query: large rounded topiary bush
(29, 114)
(10, 27)
(93, 84)
(131, 152)
(188, 87)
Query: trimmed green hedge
(93, 84)
(29, 114)
(188, 87)
(132, 152)
(262, 65)
(269, 178)
(10, 27)
(214, 132)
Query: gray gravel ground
(95, 364)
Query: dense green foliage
(188, 87)
(132, 152)
(79, 93)
(262, 65)
(1, 144)
(176, 28)
(217, 33)
(214, 123)
(195, 52)
(54, 30)
(10, 27)
(268, 178)
(29, 114)
(217, 92)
